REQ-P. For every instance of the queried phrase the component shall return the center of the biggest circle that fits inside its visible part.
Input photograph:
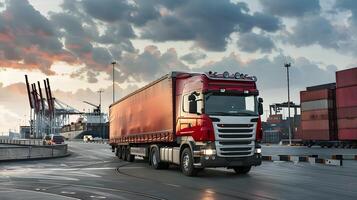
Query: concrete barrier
(23, 150)
(312, 159)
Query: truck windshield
(231, 105)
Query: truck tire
(187, 167)
(242, 169)
(124, 154)
(129, 158)
(119, 152)
(155, 160)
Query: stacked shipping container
(318, 113)
(346, 99)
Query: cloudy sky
(73, 42)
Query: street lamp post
(100, 113)
(288, 65)
(113, 63)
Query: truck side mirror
(260, 106)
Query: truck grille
(235, 139)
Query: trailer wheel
(242, 169)
(187, 167)
(124, 154)
(155, 160)
(129, 158)
(119, 152)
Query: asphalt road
(92, 172)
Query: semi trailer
(194, 120)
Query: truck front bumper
(215, 161)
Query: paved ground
(93, 173)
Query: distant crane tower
(47, 115)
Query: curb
(39, 158)
(313, 159)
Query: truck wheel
(187, 167)
(155, 160)
(129, 158)
(119, 152)
(242, 169)
(124, 154)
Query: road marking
(97, 197)
(65, 192)
(173, 185)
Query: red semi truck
(194, 120)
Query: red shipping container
(315, 125)
(324, 114)
(346, 97)
(275, 119)
(346, 77)
(316, 135)
(347, 123)
(315, 95)
(347, 112)
(347, 134)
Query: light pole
(288, 65)
(113, 63)
(100, 113)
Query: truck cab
(219, 119)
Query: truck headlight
(209, 152)
(258, 150)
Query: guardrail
(30, 149)
(104, 141)
(22, 142)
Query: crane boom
(91, 104)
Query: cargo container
(317, 94)
(194, 120)
(319, 103)
(324, 114)
(271, 136)
(275, 119)
(318, 115)
(345, 78)
(346, 112)
(346, 98)
(348, 135)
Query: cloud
(209, 23)
(28, 40)
(252, 42)
(348, 5)
(271, 73)
(291, 8)
(107, 10)
(193, 57)
(149, 64)
(314, 29)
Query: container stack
(271, 136)
(346, 99)
(318, 113)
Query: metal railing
(22, 141)
(104, 141)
